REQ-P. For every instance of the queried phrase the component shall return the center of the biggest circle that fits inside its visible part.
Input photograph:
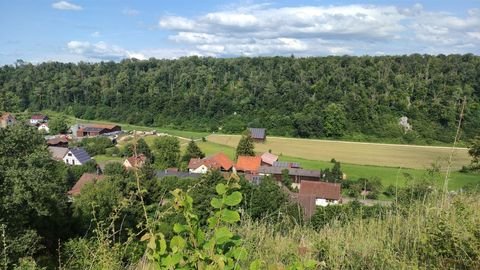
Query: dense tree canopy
(245, 146)
(289, 96)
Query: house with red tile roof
(84, 179)
(248, 164)
(219, 161)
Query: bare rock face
(404, 124)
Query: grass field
(391, 155)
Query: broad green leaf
(178, 228)
(222, 235)
(256, 265)
(152, 243)
(216, 203)
(230, 216)
(145, 237)
(177, 243)
(233, 199)
(240, 253)
(212, 222)
(221, 189)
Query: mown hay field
(390, 155)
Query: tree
(33, 199)
(192, 151)
(168, 151)
(474, 151)
(286, 179)
(245, 146)
(58, 125)
(141, 148)
(334, 120)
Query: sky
(103, 30)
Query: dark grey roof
(81, 154)
(257, 133)
(292, 171)
(286, 164)
(162, 174)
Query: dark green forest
(358, 98)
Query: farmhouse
(58, 153)
(134, 162)
(258, 134)
(268, 159)
(76, 156)
(38, 119)
(314, 193)
(219, 161)
(248, 164)
(58, 142)
(84, 179)
(297, 175)
(44, 127)
(7, 119)
(91, 130)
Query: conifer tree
(245, 146)
(192, 151)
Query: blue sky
(102, 30)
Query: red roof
(324, 190)
(217, 161)
(248, 163)
(225, 162)
(86, 178)
(5, 116)
(38, 117)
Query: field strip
(350, 142)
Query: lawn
(390, 155)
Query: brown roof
(105, 126)
(57, 140)
(269, 158)
(86, 178)
(225, 162)
(248, 163)
(324, 190)
(137, 161)
(38, 117)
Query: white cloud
(96, 34)
(314, 30)
(64, 5)
(101, 51)
(130, 12)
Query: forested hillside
(353, 97)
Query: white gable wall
(201, 169)
(70, 159)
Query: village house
(219, 161)
(92, 130)
(296, 175)
(58, 153)
(58, 141)
(135, 162)
(38, 119)
(76, 156)
(313, 194)
(84, 179)
(248, 164)
(44, 127)
(268, 159)
(258, 134)
(7, 119)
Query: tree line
(359, 98)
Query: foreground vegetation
(360, 98)
(132, 220)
